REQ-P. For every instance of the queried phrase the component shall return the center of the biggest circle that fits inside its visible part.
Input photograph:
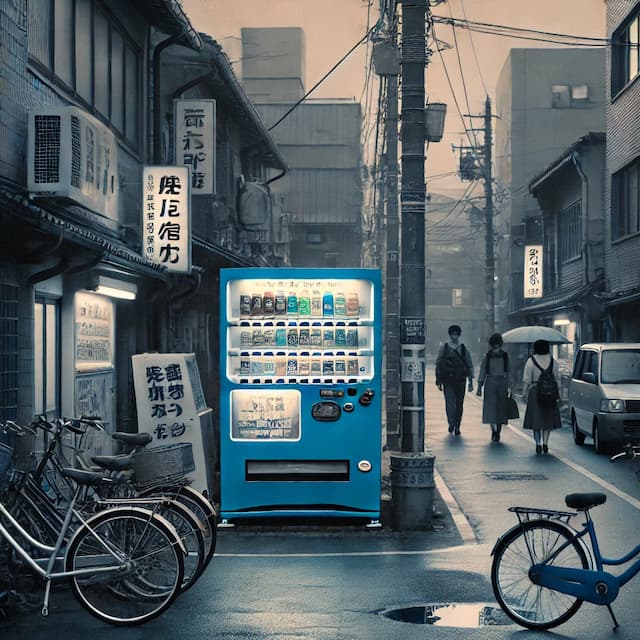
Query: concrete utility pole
(412, 470)
(392, 271)
(488, 211)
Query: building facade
(546, 99)
(622, 197)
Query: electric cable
(473, 48)
(286, 114)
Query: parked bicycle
(125, 563)
(543, 569)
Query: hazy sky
(332, 27)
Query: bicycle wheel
(146, 561)
(200, 506)
(191, 532)
(528, 604)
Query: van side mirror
(589, 377)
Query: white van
(604, 395)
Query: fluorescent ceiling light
(115, 288)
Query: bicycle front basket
(164, 462)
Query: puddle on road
(468, 615)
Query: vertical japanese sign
(166, 220)
(166, 395)
(195, 143)
(94, 331)
(533, 271)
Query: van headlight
(612, 406)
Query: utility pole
(412, 469)
(488, 211)
(392, 271)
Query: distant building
(320, 140)
(546, 99)
(455, 274)
(622, 190)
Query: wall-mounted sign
(94, 331)
(166, 220)
(195, 143)
(533, 271)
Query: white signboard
(168, 390)
(94, 331)
(195, 143)
(533, 271)
(166, 221)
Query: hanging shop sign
(533, 271)
(166, 218)
(195, 143)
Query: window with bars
(625, 52)
(8, 343)
(570, 232)
(625, 201)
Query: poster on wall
(168, 396)
(94, 396)
(94, 332)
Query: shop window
(560, 96)
(457, 297)
(625, 52)
(46, 357)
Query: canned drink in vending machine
(269, 303)
(256, 304)
(316, 304)
(280, 304)
(245, 305)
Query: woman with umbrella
(542, 414)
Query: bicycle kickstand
(615, 622)
(45, 604)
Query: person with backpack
(453, 368)
(540, 377)
(495, 378)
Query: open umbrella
(532, 333)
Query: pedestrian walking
(541, 389)
(495, 378)
(453, 368)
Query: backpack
(547, 386)
(453, 365)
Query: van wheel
(578, 436)
(598, 445)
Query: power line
(326, 75)
(473, 48)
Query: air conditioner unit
(72, 155)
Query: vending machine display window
(265, 414)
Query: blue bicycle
(543, 569)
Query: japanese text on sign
(166, 220)
(93, 331)
(165, 391)
(195, 143)
(533, 271)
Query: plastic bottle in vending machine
(292, 336)
(304, 335)
(304, 304)
(328, 336)
(353, 366)
(245, 305)
(257, 337)
(281, 336)
(353, 304)
(245, 363)
(269, 303)
(292, 304)
(281, 364)
(328, 364)
(304, 364)
(315, 337)
(268, 335)
(340, 305)
(316, 304)
(340, 364)
(327, 304)
(280, 304)
(256, 304)
(268, 364)
(341, 335)
(316, 364)
(292, 365)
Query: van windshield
(620, 366)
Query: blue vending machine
(300, 405)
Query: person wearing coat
(541, 419)
(495, 377)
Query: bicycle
(125, 563)
(543, 569)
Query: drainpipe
(157, 115)
(585, 219)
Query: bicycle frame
(48, 574)
(593, 585)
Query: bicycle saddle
(135, 439)
(584, 501)
(114, 463)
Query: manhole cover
(451, 614)
(514, 475)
